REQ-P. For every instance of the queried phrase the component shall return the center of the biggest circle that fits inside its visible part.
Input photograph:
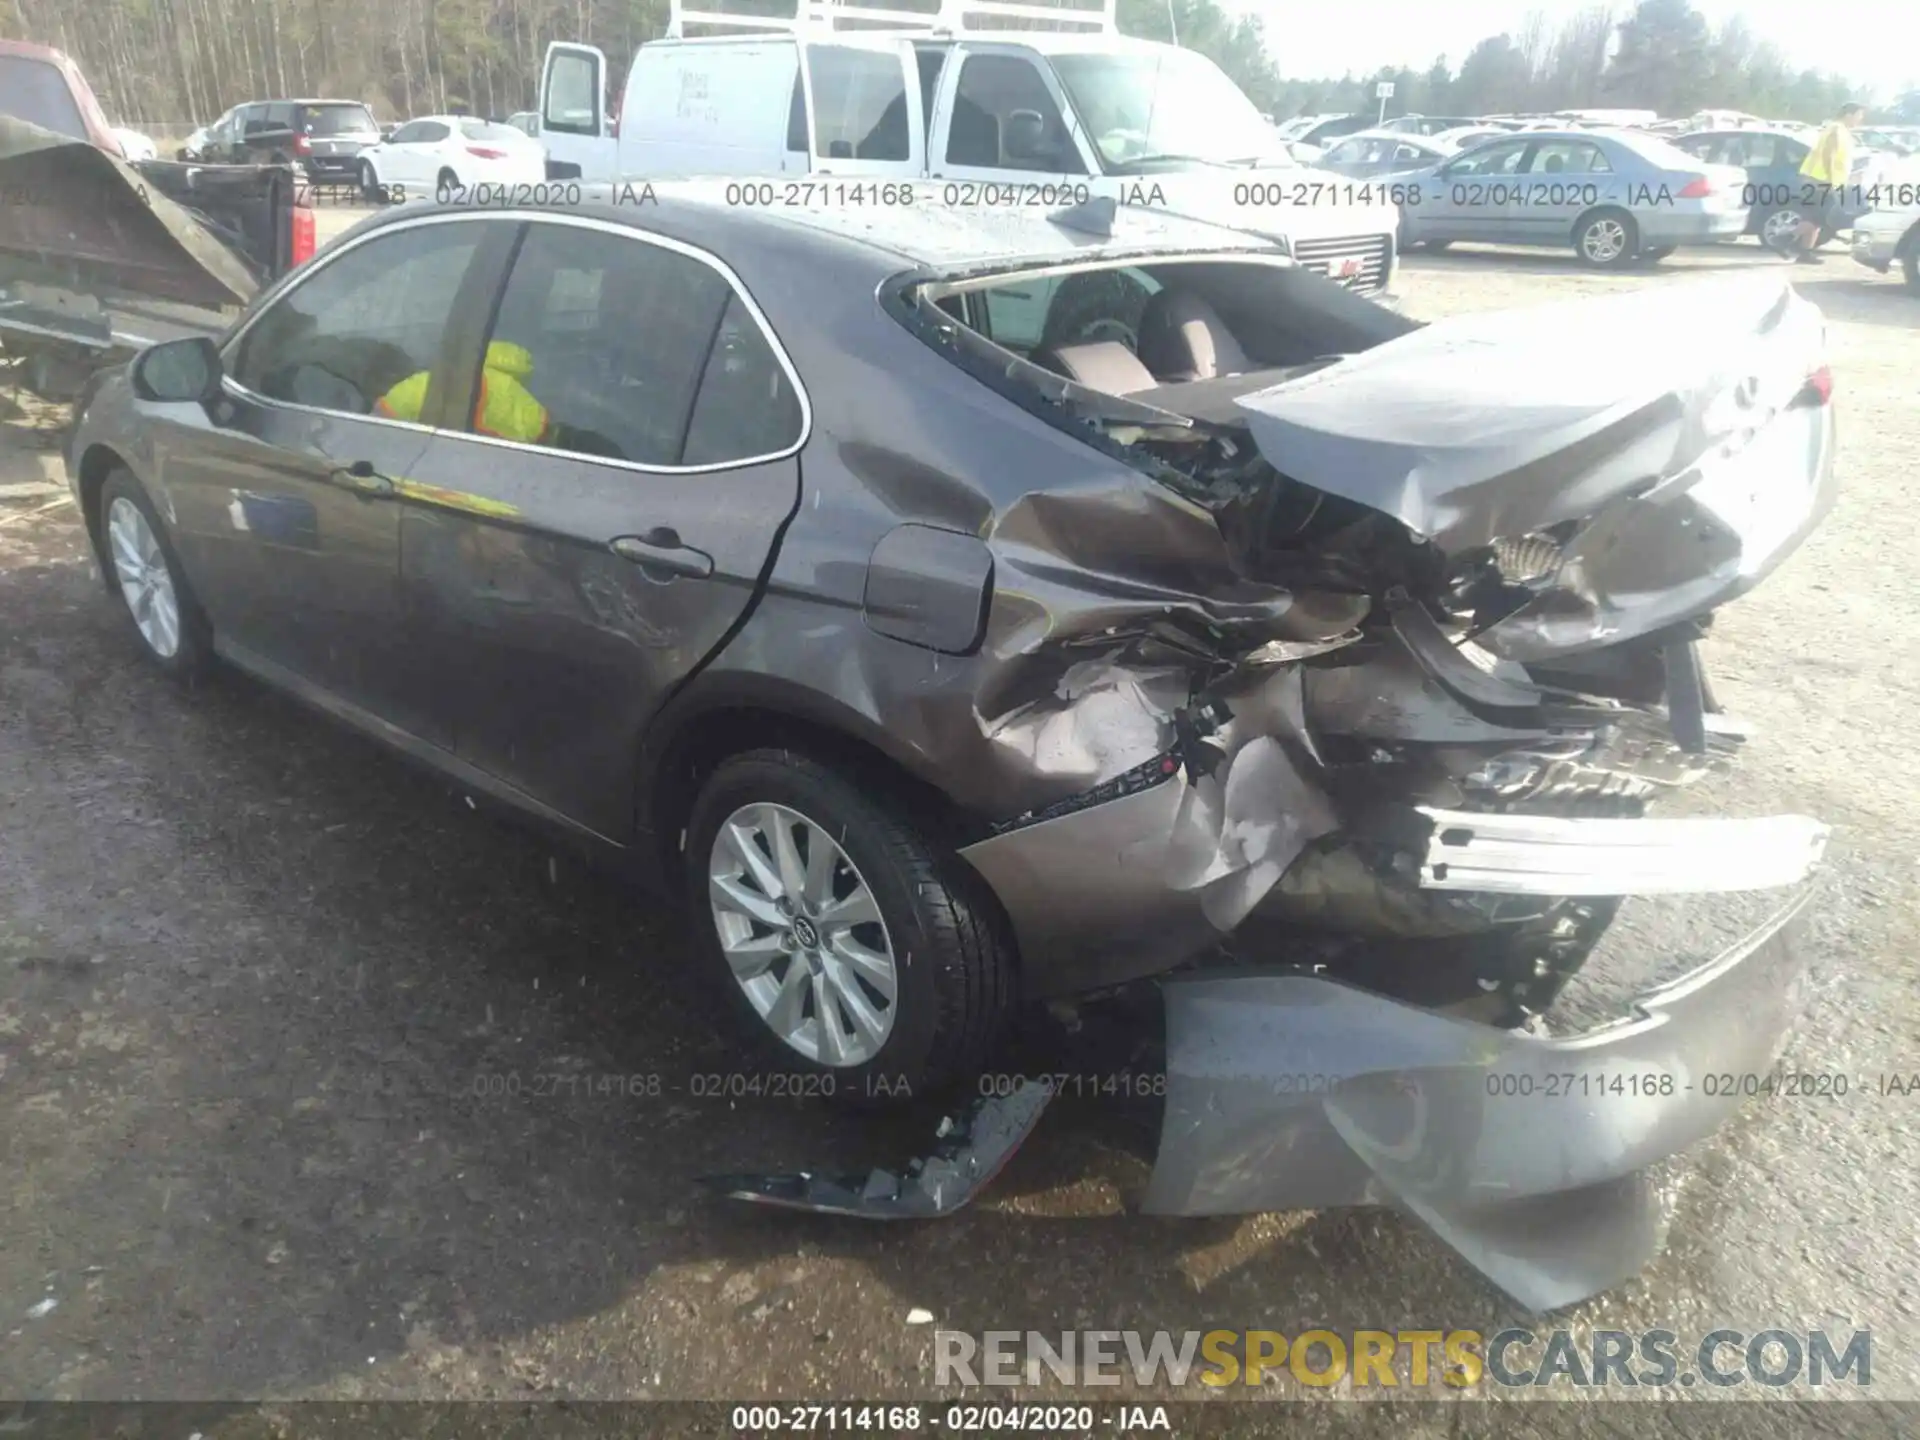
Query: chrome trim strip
(1551, 855)
(608, 227)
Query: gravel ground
(262, 988)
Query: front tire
(146, 574)
(1607, 239)
(850, 944)
(1657, 254)
(370, 184)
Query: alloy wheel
(1604, 241)
(803, 935)
(146, 581)
(1778, 228)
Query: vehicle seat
(1104, 365)
(1556, 164)
(1182, 337)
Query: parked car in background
(1310, 135)
(194, 146)
(1892, 139)
(1424, 124)
(1382, 152)
(323, 138)
(1889, 235)
(450, 153)
(1614, 197)
(43, 87)
(1771, 158)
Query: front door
(284, 490)
(628, 465)
(863, 94)
(573, 114)
(1004, 126)
(1472, 196)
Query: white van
(1063, 110)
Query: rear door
(573, 113)
(1473, 195)
(1002, 117)
(863, 94)
(571, 578)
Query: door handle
(660, 549)
(361, 478)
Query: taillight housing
(1819, 388)
(302, 145)
(1697, 188)
(485, 152)
(304, 235)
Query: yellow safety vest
(503, 408)
(1830, 160)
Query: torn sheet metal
(1670, 433)
(972, 1150)
(1182, 850)
(1552, 855)
(90, 219)
(1289, 1091)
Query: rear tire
(1910, 262)
(810, 987)
(1606, 239)
(147, 577)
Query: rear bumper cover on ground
(1527, 1154)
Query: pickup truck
(100, 257)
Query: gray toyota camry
(958, 609)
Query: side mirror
(178, 371)
(1025, 136)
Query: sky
(1870, 44)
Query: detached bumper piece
(1526, 1154)
(972, 1150)
(1548, 855)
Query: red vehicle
(42, 86)
(100, 256)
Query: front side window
(859, 104)
(611, 346)
(36, 92)
(1165, 105)
(361, 335)
(573, 95)
(1005, 118)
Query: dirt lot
(272, 1008)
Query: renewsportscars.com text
(1388, 1359)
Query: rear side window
(361, 325)
(604, 343)
(36, 92)
(859, 104)
(324, 120)
(746, 406)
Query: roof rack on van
(942, 16)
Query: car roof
(923, 236)
(1399, 137)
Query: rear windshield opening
(1183, 336)
(339, 120)
(36, 92)
(482, 130)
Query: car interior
(1162, 334)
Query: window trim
(320, 263)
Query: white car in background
(134, 145)
(451, 153)
(1890, 235)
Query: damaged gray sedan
(958, 610)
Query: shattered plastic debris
(972, 1151)
(42, 1308)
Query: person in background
(1823, 177)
